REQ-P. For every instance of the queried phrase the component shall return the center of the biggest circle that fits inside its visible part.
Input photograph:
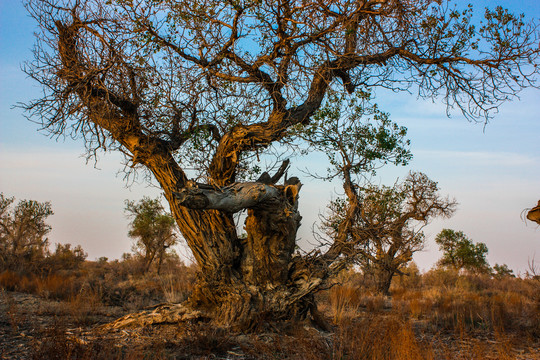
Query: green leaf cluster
(153, 229)
(460, 252)
(23, 233)
(357, 134)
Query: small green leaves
(460, 252)
(355, 133)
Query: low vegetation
(440, 314)
(54, 303)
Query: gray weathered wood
(232, 199)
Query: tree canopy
(196, 92)
(23, 233)
(229, 78)
(460, 252)
(24, 245)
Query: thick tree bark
(259, 278)
(271, 224)
(534, 214)
(384, 280)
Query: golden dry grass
(438, 315)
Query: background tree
(388, 230)
(23, 234)
(502, 271)
(194, 93)
(65, 257)
(153, 229)
(459, 252)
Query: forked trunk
(257, 285)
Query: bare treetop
(233, 76)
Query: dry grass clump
(475, 302)
(56, 286)
(200, 340)
(176, 286)
(454, 316)
(54, 343)
(122, 283)
(58, 343)
(83, 306)
(9, 280)
(345, 301)
(188, 341)
(113, 283)
(379, 337)
(438, 315)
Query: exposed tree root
(162, 314)
(240, 309)
(178, 313)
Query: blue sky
(493, 171)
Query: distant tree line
(24, 245)
(385, 234)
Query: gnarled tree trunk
(243, 280)
(256, 284)
(383, 277)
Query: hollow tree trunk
(257, 284)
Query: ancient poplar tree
(387, 231)
(193, 91)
